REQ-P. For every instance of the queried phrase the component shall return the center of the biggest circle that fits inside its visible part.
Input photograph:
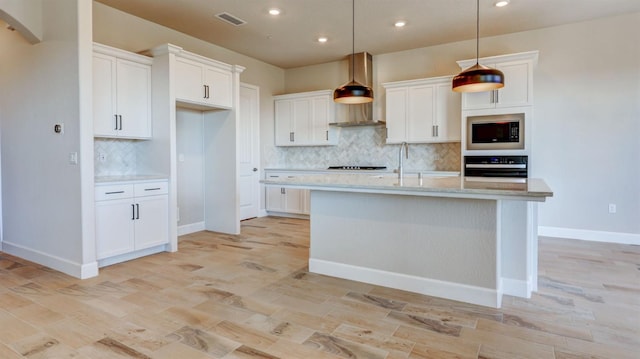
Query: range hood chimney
(361, 70)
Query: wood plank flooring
(250, 296)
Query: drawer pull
(153, 189)
(115, 192)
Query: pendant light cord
(477, 32)
(353, 40)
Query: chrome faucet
(403, 147)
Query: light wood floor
(250, 296)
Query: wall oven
(496, 132)
(496, 166)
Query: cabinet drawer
(150, 189)
(116, 191)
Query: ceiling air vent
(226, 17)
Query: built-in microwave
(496, 132)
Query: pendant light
(353, 92)
(478, 78)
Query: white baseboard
(82, 271)
(263, 213)
(449, 290)
(132, 255)
(516, 287)
(190, 228)
(588, 235)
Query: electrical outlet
(73, 158)
(612, 208)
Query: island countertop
(528, 189)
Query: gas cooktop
(357, 168)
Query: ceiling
(290, 39)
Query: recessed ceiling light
(274, 12)
(322, 39)
(501, 3)
(400, 23)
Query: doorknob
(255, 169)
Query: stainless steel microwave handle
(486, 165)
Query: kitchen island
(466, 239)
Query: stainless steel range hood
(361, 69)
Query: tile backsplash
(114, 157)
(365, 146)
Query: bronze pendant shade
(478, 78)
(353, 92)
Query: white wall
(48, 202)
(587, 115)
(190, 166)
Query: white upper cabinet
(422, 111)
(302, 119)
(121, 93)
(203, 83)
(518, 82)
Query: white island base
(465, 249)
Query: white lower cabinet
(131, 217)
(286, 200)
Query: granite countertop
(130, 178)
(529, 189)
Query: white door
(249, 151)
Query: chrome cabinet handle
(120, 116)
(291, 137)
(116, 117)
(153, 189)
(137, 211)
(255, 169)
(133, 212)
(114, 192)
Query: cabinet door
(114, 227)
(283, 122)
(517, 90)
(188, 81)
(302, 121)
(218, 89)
(421, 114)
(306, 201)
(478, 100)
(152, 214)
(133, 94)
(517, 87)
(320, 117)
(396, 115)
(294, 200)
(448, 114)
(104, 95)
(275, 199)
